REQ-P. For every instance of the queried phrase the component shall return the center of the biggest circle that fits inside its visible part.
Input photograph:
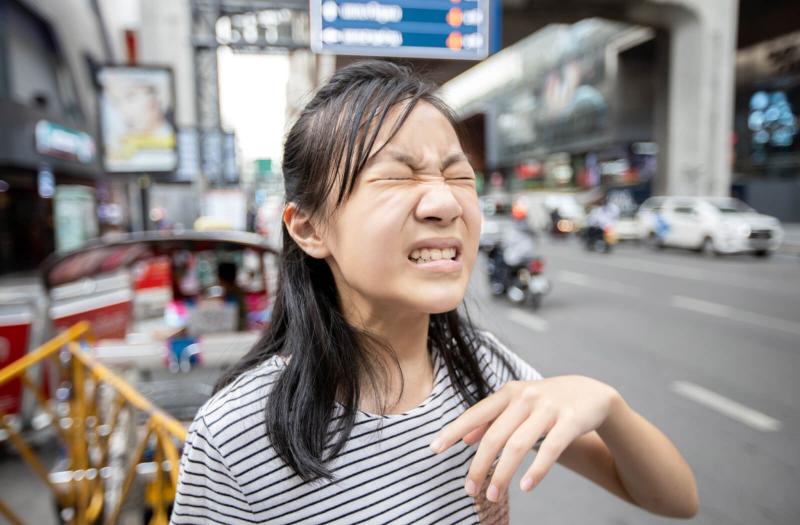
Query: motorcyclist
(517, 245)
(599, 220)
(603, 216)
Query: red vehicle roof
(108, 255)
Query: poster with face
(137, 119)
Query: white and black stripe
(386, 473)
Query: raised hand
(514, 418)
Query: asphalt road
(706, 348)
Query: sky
(253, 102)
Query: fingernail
(436, 445)
(526, 485)
(493, 494)
(471, 487)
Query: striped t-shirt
(386, 472)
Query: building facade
(50, 173)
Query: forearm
(650, 468)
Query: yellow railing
(91, 421)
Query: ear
(304, 232)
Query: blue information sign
(403, 28)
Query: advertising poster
(137, 106)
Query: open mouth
(426, 255)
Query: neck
(407, 336)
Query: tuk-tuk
(22, 327)
(166, 312)
(166, 303)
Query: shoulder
(500, 363)
(242, 402)
(224, 433)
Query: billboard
(457, 29)
(137, 106)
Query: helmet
(518, 212)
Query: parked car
(719, 225)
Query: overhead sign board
(62, 142)
(457, 29)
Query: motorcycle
(598, 239)
(514, 270)
(561, 227)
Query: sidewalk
(791, 239)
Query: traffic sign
(457, 29)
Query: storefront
(49, 166)
(48, 182)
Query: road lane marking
(679, 271)
(728, 407)
(529, 320)
(598, 283)
(658, 268)
(734, 314)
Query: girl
(365, 397)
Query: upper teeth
(433, 254)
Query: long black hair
(330, 361)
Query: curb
(790, 248)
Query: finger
(481, 413)
(492, 443)
(557, 440)
(476, 435)
(518, 445)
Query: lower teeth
(423, 261)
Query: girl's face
(406, 239)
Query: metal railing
(99, 419)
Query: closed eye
(469, 177)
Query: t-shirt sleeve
(208, 491)
(504, 364)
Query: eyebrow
(415, 163)
(454, 158)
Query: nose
(438, 205)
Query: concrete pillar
(661, 110)
(491, 137)
(307, 71)
(165, 38)
(301, 83)
(696, 148)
